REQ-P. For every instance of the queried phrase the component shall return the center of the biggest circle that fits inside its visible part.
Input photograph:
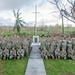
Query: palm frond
(22, 21)
(20, 17)
(19, 14)
(18, 11)
(14, 13)
(21, 25)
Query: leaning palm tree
(18, 21)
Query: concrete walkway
(35, 64)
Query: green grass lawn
(30, 32)
(13, 67)
(59, 67)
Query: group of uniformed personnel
(14, 47)
(58, 47)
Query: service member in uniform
(70, 53)
(13, 53)
(51, 52)
(57, 53)
(5, 53)
(1, 53)
(63, 54)
(44, 53)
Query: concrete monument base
(35, 41)
(35, 44)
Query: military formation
(14, 47)
(58, 47)
(55, 47)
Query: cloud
(45, 10)
(5, 22)
(15, 4)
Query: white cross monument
(35, 37)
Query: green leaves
(18, 21)
(14, 13)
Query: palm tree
(18, 21)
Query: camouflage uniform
(44, 53)
(9, 46)
(29, 44)
(0, 43)
(5, 53)
(58, 44)
(48, 45)
(20, 53)
(63, 45)
(13, 53)
(63, 54)
(70, 53)
(43, 44)
(51, 52)
(53, 45)
(73, 46)
(57, 53)
(1, 53)
(27, 49)
(69, 45)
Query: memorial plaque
(35, 39)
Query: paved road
(35, 63)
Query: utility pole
(35, 19)
(62, 25)
(61, 13)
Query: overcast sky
(27, 7)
